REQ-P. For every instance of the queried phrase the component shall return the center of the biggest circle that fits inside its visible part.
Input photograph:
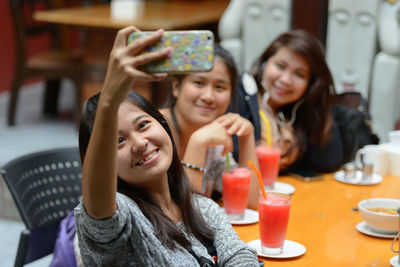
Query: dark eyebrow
(304, 71)
(224, 81)
(218, 81)
(138, 118)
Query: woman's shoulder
(205, 203)
(125, 205)
(210, 210)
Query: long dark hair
(230, 64)
(181, 191)
(314, 117)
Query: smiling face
(204, 96)
(286, 77)
(144, 147)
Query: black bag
(354, 123)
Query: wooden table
(323, 220)
(169, 15)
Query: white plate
(375, 179)
(364, 228)
(250, 216)
(290, 249)
(280, 187)
(394, 261)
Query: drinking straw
(267, 127)
(260, 181)
(228, 165)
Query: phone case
(193, 51)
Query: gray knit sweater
(127, 239)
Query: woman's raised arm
(99, 174)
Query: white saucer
(290, 249)
(375, 179)
(394, 261)
(364, 228)
(280, 187)
(250, 216)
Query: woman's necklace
(281, 120)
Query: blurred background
(361, 37)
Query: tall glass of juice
(235, 192)
(273, 221)
(268, 158)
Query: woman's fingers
(149, 57)
(234, 124)
(141, 43)
(122, 62)
(228, 147)
(131, 65)
(122, 36)
(122, 50)
(133, 72)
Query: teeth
(146, 158)
(150, 156)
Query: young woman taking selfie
(138, 208)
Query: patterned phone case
(192, 51)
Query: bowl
(380, 222)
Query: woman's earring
(265, 98)
(266, 93)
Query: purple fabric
(63, 254)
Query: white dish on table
(364, 228)
(283, 188)
(394, 261)
(375, 179)
(290, 249)
(250, 216)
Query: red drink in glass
(273, 221)
(268, 158)
(235, 192)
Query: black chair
(52, 65)
(45, 186)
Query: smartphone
(192, 51)
(305, 175)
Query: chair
(45, 186)
(247, 27)
(351, 43)
(52, 65)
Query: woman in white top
(204, 132)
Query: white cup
(394, 163)
(127, 9)
(375, 154)
(394, 138)
(393, 158)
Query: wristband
(193, 167)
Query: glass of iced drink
(235, 192)
(268, 159)
(273, 221)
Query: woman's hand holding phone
(125, 62)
